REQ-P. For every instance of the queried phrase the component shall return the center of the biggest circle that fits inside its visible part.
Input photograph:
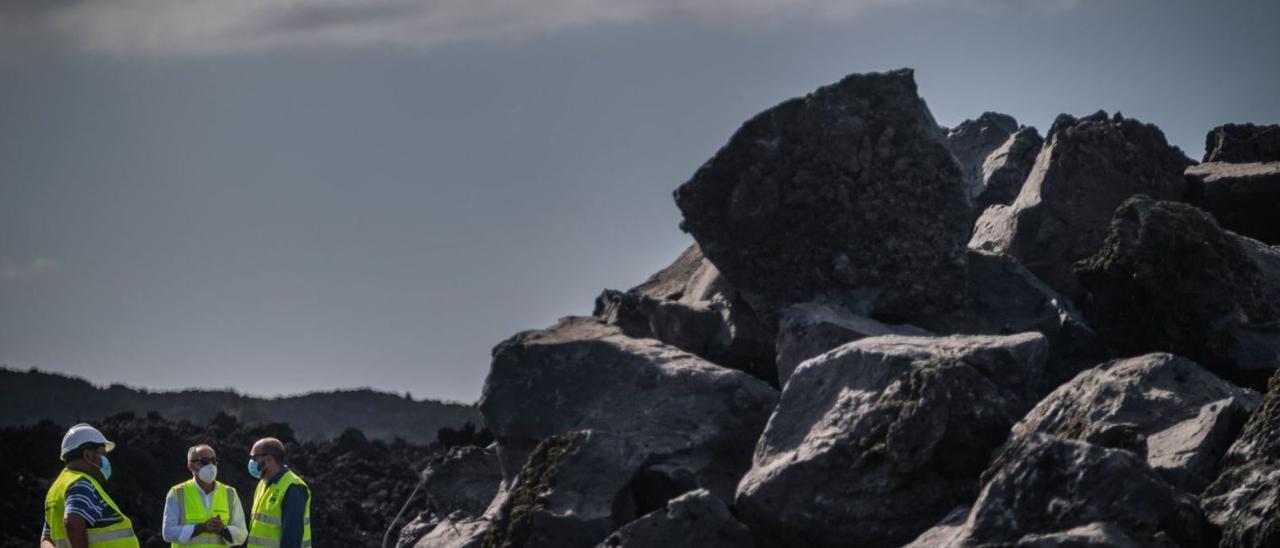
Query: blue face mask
(254, 470)
(105, 467)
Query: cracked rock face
(1169, 279)
(847, 195)
(1055, 492)
(1087, 168)
(1245, 499)
(1243, 198)
(877, 440)
(693, 423)
(1242, 143)
(1164, 408)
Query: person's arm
(172, 529)
(239, 532)
(46, 536)
(77, 531)
(294, 510)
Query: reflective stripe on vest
(268, 512)
(191, 510)
(119, 535)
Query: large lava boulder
(846, 194)
(1245, 499)
(973, 140)
(995, 155)
(1164, 408)
(808, 330)
(1242, 143)
(693, 423)
(458, 483)
(1169, 279)
(690, 305)
(1244, 198)
(874, 442)
(696, 518)
(1087, 168)
(1061, 493)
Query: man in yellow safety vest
(282, 502)
(203, 511)
(78, 512)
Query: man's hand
(46, 542)
(214, 525)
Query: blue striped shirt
(83, 500)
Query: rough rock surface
(694, 422)
(1245, 499)
(690, 306)
(457, 484)
(693, 519)
(1086, 169)
(810, 329)
(1006, 168)
(1168, 279)
(847, 195)
(1242, 143)
(457, 530)
(874, 442)
(972, 141)
(1055, 492)
(1244, 198)
(1002, 297)
(1162, 407)
(574, 491)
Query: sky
(281, 197)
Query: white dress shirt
(174, 531)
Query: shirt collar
(276, 477)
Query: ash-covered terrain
(891, 333)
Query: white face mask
(208, 473)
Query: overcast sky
(290, 196)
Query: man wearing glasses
(203, 511)
(282, 501)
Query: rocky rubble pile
(358, 485)
(889, 333)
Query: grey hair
(191, 451)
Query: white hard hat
(81, 434)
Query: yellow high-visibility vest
(191, 508)
(268, 511)
(119, 535)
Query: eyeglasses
(202, 462)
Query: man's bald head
(271, 447)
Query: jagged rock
(458, 530)
(1245, 500)
(694, 519)
(695, 422)
(1168, 279)
(1242, 143)
(873, 442)
(809, 329)
(1006, 168)
(1055, 492)
(1244, 198)
(574, 490)
(1087, 168)
(457, 484)
(1002, 297)
(690, 306)
(846, 195)
(972, 141)
(1165, 408)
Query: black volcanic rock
(1245, 499)
(1164, 408)
(1055, 492)
(972, 141)
(810, 329)
(1086, 169)
(874, 442)
(846, 195)
(1244, 198)
(1006, 169)
(690, 306)
(695, 518)
(1169, 279)
(694, 423)
(1242, 143)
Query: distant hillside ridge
(29, 396)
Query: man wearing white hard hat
(78, 512)
(203, 511)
